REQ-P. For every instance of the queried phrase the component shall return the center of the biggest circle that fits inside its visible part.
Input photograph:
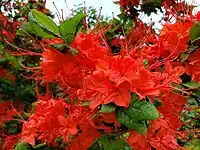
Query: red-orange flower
(61, 67)
(159, 136)
(193, 67)
(53, 119)
(138, 141)
(176, 37)
(48, 123)
(100, 90)
(11, 140)
(91, 50)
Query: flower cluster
(97, 77)
(55, 118)
(135, 95)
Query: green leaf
(142, 110)
(15, 61)
(138, 112)
(13, 130)
(192, 85)
(107, 108)
(40, 146)
(184, 56)
(1, 48)
(20, 33)
(23, 146)
(33, 28)
(114, 144)
(12, 60)
(134, 98)
(60, 46)
(44, 22)
(197, 93)
(105, 141)
(39, 31)
(145, 62)
(96, 145)
(70, 27)
(195, 31)
(130, 122)
(194, 144)
(25, 27)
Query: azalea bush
(90, 82)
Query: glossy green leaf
(138, 112)
(70, 27)
(114, 144)
(134, 98)
(23, 146)
(130, 122)
(192, 84)
(33, 28)
(20, 33)
(195, 31)
(44, 22)
(39, 31)
(142, 110)
(24, 29)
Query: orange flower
(176, 37)
(63, 68)
(100, 90)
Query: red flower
(91, 50)
(138, 33)
(125, 69)
(84, 140)
(100, 90)
(3, 20)
(48, 123)
(173, 104)
(198, 15)
(7, 111)
(176, 37)
(99, 122)
(138, 141)
(160, 136)
(192, 68)
(173, 72)
(61, 67)
(51, 121)
(11, 140)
